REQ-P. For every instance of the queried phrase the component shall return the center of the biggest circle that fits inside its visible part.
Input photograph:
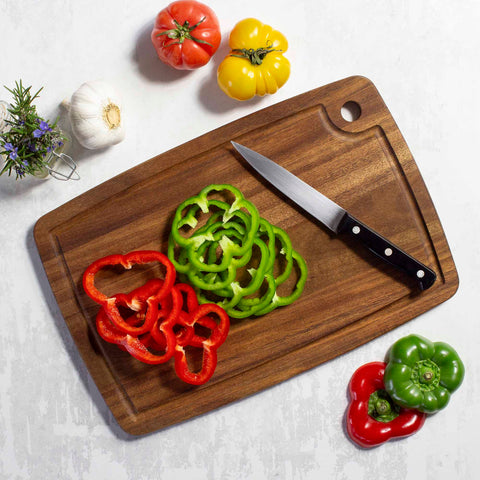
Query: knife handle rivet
(356, 229)
(388, 252)
(420, 274)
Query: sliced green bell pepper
(192, 242)
(230, 255)
(281, 301)
(422, 374)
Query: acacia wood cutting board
(350, 297)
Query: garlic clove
(96, 114)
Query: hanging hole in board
(351, 111)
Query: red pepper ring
(107, 330)
(150, 343)
(167, 315)
(127, 261)
(218, 335)
(110, 303)
(209, 362)
(220, 332)
(140, 295)
(127, 326)
(173, 305)
(177, 302)
(191, 296)
(184, 333)
(198, 340)
(135, 346)
(137, 349)
(135, 300)
(362, 427)
(138, 346)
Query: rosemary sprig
(28, 139)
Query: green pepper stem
(428, 376)
(381, 407)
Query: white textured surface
(422, 56)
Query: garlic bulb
(96, 115)
(4, 116)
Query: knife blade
(335, 217)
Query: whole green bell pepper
(422, 374)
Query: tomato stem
(183, 32)
(255, 56)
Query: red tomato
(186, 34)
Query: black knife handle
(387, 251)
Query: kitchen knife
(335, 217)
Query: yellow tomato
(255, 65)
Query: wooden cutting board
(350, 297)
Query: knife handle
(387, 251)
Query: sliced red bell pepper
(162, 320)
(372, 417)
(139, 301)
(167, 314)
(191, 300)
(126, 261)
(218, 334)
(152, 295)
(136, 302)
(150, 343)
(137, 347)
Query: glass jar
(4, 116)
(58, 164)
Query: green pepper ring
(184, 263)
(279, 301)
(236, 293)
(207, 280)
(200, 263)
(193, 242)
(265, 227)
(197, 277)
(249, 307)
(286, 251)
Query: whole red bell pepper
(372, 417)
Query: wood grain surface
(350, 297)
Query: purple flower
(10, 148)
(13, 155)
(20, 171)
(44, 128)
